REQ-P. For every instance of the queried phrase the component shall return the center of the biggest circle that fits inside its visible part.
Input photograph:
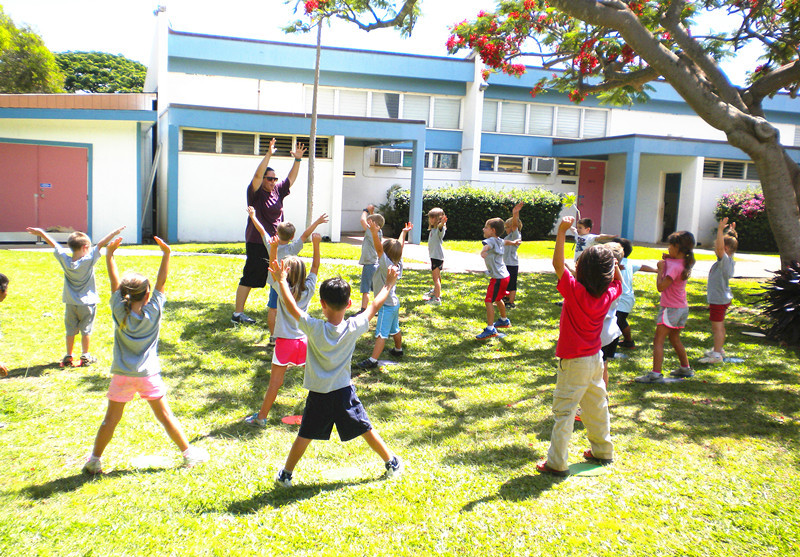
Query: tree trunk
(312, 135)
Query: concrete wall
(113, 169)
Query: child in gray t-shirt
(80, 294)
(492, 254)
(290, 341)
(437, 227)
(369, 257)
(511, 242)
(332, 399)
(136, 368)
(719, 290)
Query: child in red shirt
(587, 297)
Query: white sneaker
(434, 301)
(651, 377)
(712, 358)
(283, 479)
(394, 468)
(711, 352)
(427, 296)
(93, 466)
(194, 456)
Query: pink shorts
(122, 388)
(290, 352)
(716, 312)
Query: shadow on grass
(32, 371)
(74, 482)
(517, 489)
(281, 496)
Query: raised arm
(273, 248)
(515, 222)
(44, 236)
(406, 229)
(719, 241)
(163, 269)
(442, 222)
(603, 238)
(376, 240)
(315, 240)
(558, 252)
(391, 280)
(258, 177)
(111, 265)
(280, 271)
(323, 218)
(298, 157)
(251, 211)
(369, 210)
(106, 239)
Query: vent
(388, 157)
(541, 165)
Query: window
(283, 145)
(486, 163)
(321, 144)
(444, 160)
(352, 103)
(446, 113)
(416, 107)
(568, 121)
(238, 143)
(733, 170)
(512, 118)
(199, 141)
(730, 170)
(567, 167)
(541, 121)
(711, 168)
(490, 116)
(325, 100)
(594, 123)
(385, 105)
(752, 172)
(509, 164)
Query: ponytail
(132, 288)
(685, 242)
(296, 277)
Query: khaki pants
(580, 381)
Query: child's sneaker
(194, 456)
(394, 468)
(283, 479)
(254, 420)
(428, 295)
(93, 466)
(543, 468)
(710, 352)
(627, 344)
(683, 372)
(88, 359)
(396, 353)
(66, 361)
(367, 364)
(502, 323)
(712, 358)
(587, 454)
(651, 377)
(435, 301)
(510, 305)
(488, 332)
(242, 319)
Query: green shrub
(780, 304)
(746, 208)
(468, 208)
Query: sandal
(543, 468)
(587, 454)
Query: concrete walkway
(416, 257)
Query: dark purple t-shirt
(269, 209)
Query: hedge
(468, 208)
(746, 208)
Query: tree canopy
(367, 15)
(26, 65)
(100, 72)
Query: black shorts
(610, 349)
(340, 407)
(512, 277)
(437, 264)
(622, 320)
(256, 266)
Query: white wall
(209, 90)
(650, 198)
(114, 165)
(212, 195)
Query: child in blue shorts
(390, 253)
(332, 399)
(369, 257)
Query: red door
(590, 192)
(44, 186)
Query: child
(437, 225)
(587, 298)
(610, 333)
(281, 246)
(628, 298)
(332, 398)
(492, 254)
(719, 290)
(584, 239)
(511, 242)
(80, 295)
(369, 257)
(136, 367)
(290, 344)
(673, 271)
(390, 254)
(3, 294)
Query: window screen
(446, 113)
(199, 141)
(509, 164)
(594, 123)
(486, 164)
(444, 160)
(512, 118)
(568, 122)
(541, 120)
(238, 143)
(489, 116)
(385, 105)
(352, 103)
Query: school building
(176, 160)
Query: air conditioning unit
(388, 157)
(541, 165)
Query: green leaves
(100, 72)
(26, 65)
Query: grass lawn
(707, 466)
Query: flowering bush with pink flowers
(747, 209)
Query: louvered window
(541, 120)
(594, 123)
(568, 122)
(385, 105)
(446, 113)
(711, 168)
(489, 116)
(733, 170)
(352, 103)
(199, 141)
(322, 147)
(512, 118)
(238, 143)
(416, 107)
(283, 145)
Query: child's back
(674, 295)
(79, 282)
(136, 336)
(330, 351)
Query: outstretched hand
(299, 151)
(36, 231)
(323, 218)
(566, 223)
(316, 238)
(113, 245)
(279, 270)
(165, 249)
(517, 207)
(391, 276)
(408, 227)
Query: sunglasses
(274, 179)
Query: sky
(127, 26)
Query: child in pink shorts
(136, 367)
(290, 342)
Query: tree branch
(785, 76)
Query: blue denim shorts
(367, 272)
